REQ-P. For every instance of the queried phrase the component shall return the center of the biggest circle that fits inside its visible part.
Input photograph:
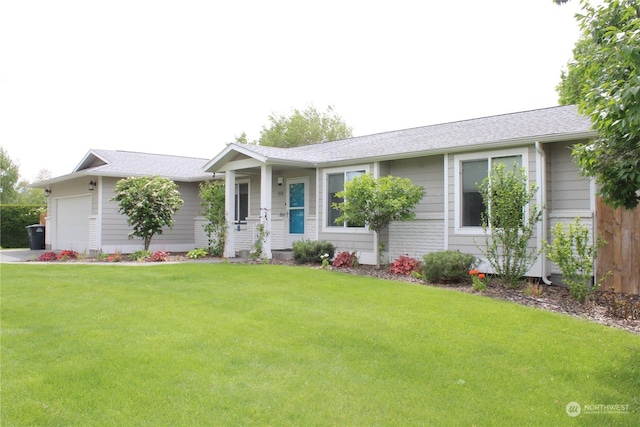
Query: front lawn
(228, 344)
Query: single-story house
(81, 215)
(290, 190)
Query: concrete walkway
(19, 255)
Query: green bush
(140, 255)
(310, 251)
(447, 266)
(13, 222)
(346, 259)
(197, 253)
(575, 255)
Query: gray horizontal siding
(115, 229)
(427, 172)
(566, 188)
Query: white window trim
(457, 171)
(236, 185)
(325, 203)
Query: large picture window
(334, 184)
(472, 172)
(241, 202)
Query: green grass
(226, 344)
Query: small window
(241, 202)
(473, 172)
(335, 184)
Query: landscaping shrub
(405, 265)
(140, 255)
(478, 281)
(310, 251)
(115, 257)
(447, 266)
(197, 253)
(346, 259)
(507, 229)
(158, 256)
(575, 255)
(67, 255)
(48, 256)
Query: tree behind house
(149, 204)
(603, 79)
(301, 127)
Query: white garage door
(72, 223)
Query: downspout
(446, 201)
(318, 208)
(541, 200)
(100, 206)
(376, 243)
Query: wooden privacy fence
(621, 255)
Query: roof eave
(87, 172)
(225, 156)
(86, 157)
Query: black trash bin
(36, 236)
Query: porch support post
(266, 184)
(229, 210)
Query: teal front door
(296, 190)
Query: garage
(72, 223)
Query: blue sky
(186, 77)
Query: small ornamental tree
(575, 254)
(149, 204)
(213, 203)
(506, 224)
(376, 202)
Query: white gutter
(541, 200)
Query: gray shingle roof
(126, 163)
(554, 123)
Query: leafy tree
(507, 229)
(376, 202)
(32, 196)
(571, 86)
(306, 127)
(213, 202)
(9, 175)
(149, 204)
(243, 139)
(604, 81)
(29, 196)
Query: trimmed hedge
(447, 266)
(13, 222)
(309, 251)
